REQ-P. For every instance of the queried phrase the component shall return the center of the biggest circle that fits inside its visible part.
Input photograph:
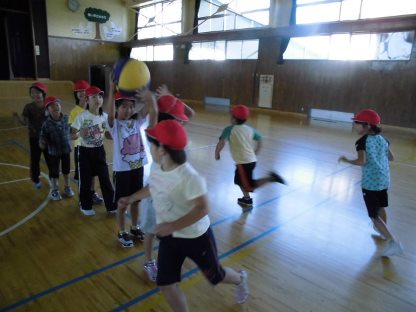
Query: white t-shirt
(173, 192)
(128, 149)
(96, 125)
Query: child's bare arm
(150, 106)
(258, 147)
(199, 211)
(390, 155)
(162, 90)
(21, 119)
(218, 148)
(359, 161)
(111, 103)
(74, 133)
(135, 197)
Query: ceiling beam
(375, 25)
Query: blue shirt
(376, 170)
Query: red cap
(93, 91)
(241, 112)
(40, 86)
(170, 133)
(369, 116)
(171, 105)
(122, 96)
(50, 100)
(81, 85)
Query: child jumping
(90, 126)
(373, 155)
(242, 138)
(80, 103)
(183, 225)
(55, 135)
(33, 116)
(129, 156)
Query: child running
(242, 138)
(183, 225)
(373, 155)
(129, 156)
(90, 126)
(33, 116)
(55, 135)
(80, 102)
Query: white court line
(14, 181)
(9, 129)
(33, 213)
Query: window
(153, 53)
(220, 15)
(386, 46)
(161, 19)
(319, 11)
(224, 50)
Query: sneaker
(55, 195)
(137, 233)
(125, 239)
(378, 232)
(394, 248)
(151, 269)
(245, 202)
(112, 211)
(37, 185)
(274, 177)
(68, 191)
(96, 199)
(87, 212)
(241, 290)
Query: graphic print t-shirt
(96, 126)
(128, 148)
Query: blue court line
(224, 255)
(107, 267)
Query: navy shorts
(202, 250)
(374, 200)
(127, 182)
(243, 176)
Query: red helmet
(93, 91)
(241, 112)
(81, 85)
(40, 86)
(50, 100)
(369, 116)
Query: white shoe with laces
(394, 248)
(241, 290)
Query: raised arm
(111, 103)
(150, 107)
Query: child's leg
(148, 246)
(104, 178)
(382, 227)
(134, 211)
(175, 297)
(35, 153)
(76, 176)
(66, 168)
(85, 176)
(121, 218)
(383, 215)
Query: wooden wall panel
(70, 58)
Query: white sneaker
(68, 192)
(55, 195)
(87, 212)
(394, 248)
(378, 232)
(241, 290)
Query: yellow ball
(130, 75)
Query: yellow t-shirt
(72, 115)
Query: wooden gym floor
(307, 246)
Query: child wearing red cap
(373, 155)
(80, 102)
(241, 139)
(33, 116)
(55, 136)
(90, 127)
(183, 225)
(129, 156)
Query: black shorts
(127, 182)
(202, 250)
(374, 200)
(243, 176)
(54, 161)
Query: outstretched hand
(162, 90)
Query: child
(55, 136)
(373, 154)
(183, 225)
(90, 126)
(169, 107)
(80, 103)
(241, 139)
(129, 156)
(33, 116)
